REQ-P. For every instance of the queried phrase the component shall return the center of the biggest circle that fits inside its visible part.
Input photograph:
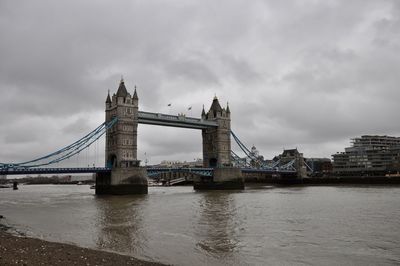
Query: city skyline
(307, 74)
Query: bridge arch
(213, 162)
(112, 160)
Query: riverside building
(369, 155)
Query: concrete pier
(122, 181)
(223, 179)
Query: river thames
(262, 225)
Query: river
(262, 225)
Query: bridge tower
(217, 150)
(127, 177)
(217, 141)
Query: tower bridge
(122, 174)
(121, 144)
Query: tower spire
(122, 92)
(108, 100)
(135, 96)
(228, 111)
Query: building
(3, 177)
(197, 163)
(169, 178)
(254, 160)
(319, 166)
(369, 155)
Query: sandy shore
(21, 250)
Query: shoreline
(329, 181)
(33, 251)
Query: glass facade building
(369, 155)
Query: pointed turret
(228, 111)
(108, 100)
(203, 112)
(215, 106)
(122, 92)
(135, 94)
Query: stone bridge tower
(121, 146)
(217, 141)
(121, 139)
(217, 151)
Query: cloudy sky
(308, 74)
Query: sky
(303, 74)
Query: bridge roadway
(151, 171)
(174, 120)
(69, 170)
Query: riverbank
(31, 251)
(326, 181)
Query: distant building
(81, 177)
(64, 179)
(197, 163)
(254, 159)
(168, 177)
(3, 177)
(319, 166)
(369, 155)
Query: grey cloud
(306, 73)
(193, 70)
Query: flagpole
(169, 108)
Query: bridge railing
(197, 171)
(46, 170)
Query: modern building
(369, 155)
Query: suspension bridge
(120, 131)
(45, 164)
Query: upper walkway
(174, 120)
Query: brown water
(345, 225)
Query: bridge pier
(122, 181)
(217, 151)
(223, 178)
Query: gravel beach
(21, 250)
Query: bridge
(122, 173)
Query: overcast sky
(308, 74)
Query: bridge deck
(174, 120)
(32, 171)
(202, 171)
